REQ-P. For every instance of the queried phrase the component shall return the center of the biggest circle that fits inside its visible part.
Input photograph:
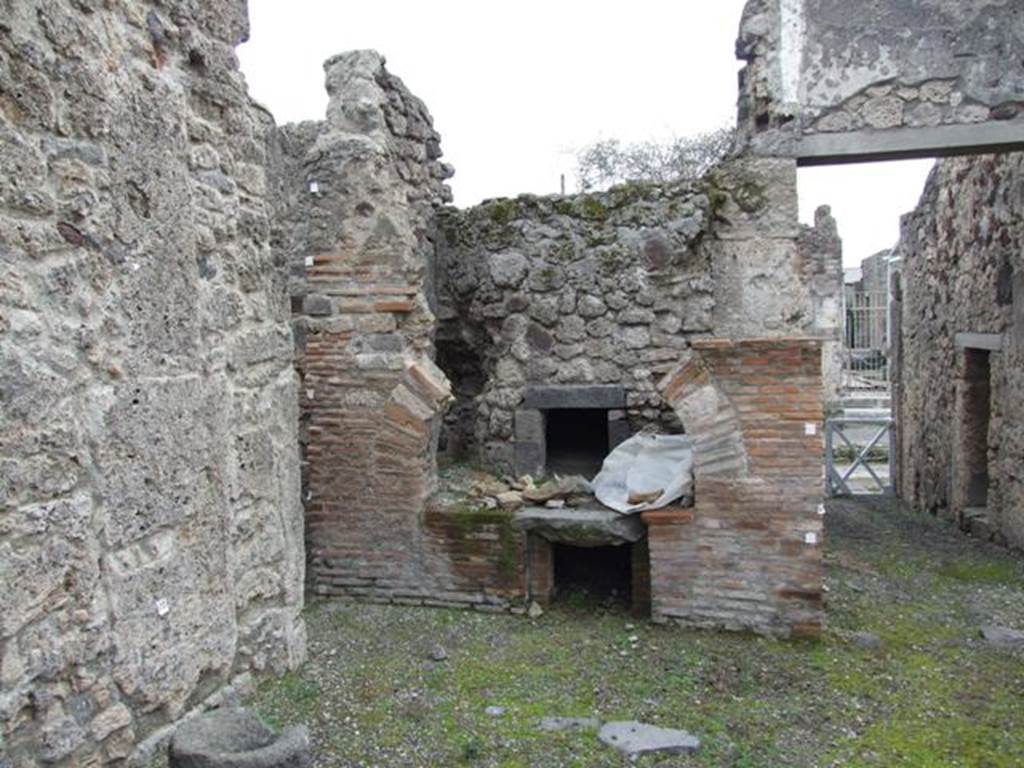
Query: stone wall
(963, 295)
(151, 542)
(822, 259)
(829, 80)
(608, 288)
(150, 525)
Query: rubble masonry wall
(963, 274)
(151, 545)
(610, 287)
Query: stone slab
(551, 396)
(1002, 636)
(559, 724)
(635, 739)
(993, 342)
(908, 143)
(580, 527)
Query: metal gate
(859, 456)
(866, 337)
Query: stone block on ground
(1002, 636)
(237, 738)
(634, 739)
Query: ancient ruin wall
(150, 526)
(821, 255)
(357, 194)
(830, 80)
(963, 274)
(709, 306)
(592, 289)
(608, 289)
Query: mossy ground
(932, 695)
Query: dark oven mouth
(601, 574)
(568, 429)
(577, 441)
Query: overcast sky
(516, 88)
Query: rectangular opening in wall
(977, 412)
(577, 441)
(594, 574)
(462, 364)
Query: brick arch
(375, 468)
(748, 555)
(420, 397)
(709, 417)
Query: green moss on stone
(593, 209)
(503, 211)
(628, 193)
(563, 206)
(750, 197)
(508, 550)
(717, 198)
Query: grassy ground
(933, 693)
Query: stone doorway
(974, 414)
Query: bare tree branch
(609, 162)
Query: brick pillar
(540, 569)
(751, 557)
(640, 572)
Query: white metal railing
(841, 479)
(866, 335)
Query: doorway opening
(462, 364)
(974, 430)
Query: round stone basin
(237, 738)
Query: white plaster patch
(699, 406)
(791, 36)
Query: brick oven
(530, 337)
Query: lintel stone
(546, 397)
(993, 342)
(909, 143)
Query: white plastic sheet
(646, 472)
